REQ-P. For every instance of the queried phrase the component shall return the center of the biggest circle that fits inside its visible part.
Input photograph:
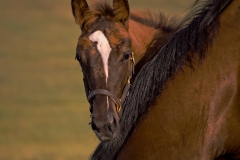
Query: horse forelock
(97, 9)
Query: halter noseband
(90, 95)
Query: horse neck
(141, 36)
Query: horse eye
(77, 57)
(126, 56)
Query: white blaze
(103, 47)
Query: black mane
(191, 37)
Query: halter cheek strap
(90, 95)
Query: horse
(161, 87)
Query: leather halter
(91, 94)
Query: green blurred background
(43, 110)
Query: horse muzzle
(107, 132)
(105, 119)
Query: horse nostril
(112, 125)
(91, 109)
(94, 127)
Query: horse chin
(106, 135)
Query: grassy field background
(43, 110)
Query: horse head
(104, 53)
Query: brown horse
(197, 114)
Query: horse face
(104, 53)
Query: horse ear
(121, 11)
(79, 7)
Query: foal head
(104, 53)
